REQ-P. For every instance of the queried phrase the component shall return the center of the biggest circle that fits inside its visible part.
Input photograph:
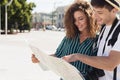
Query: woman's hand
(70, 58)
(34, 59)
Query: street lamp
(6, 15)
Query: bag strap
(115, 34)
(115, 74)
(101, 32)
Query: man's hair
(103, 4)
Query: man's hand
(70, 58)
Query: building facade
(41, 19)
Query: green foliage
(2, 2)
(19, 12)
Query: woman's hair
(69, 21)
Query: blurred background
(24, 22)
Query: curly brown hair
(71, 29)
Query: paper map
(57, 65)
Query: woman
(80, 35)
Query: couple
(77, 47)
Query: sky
(48, 6)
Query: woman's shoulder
(65, 38)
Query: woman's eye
(80, 18)
(100, 13)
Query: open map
(57, 65)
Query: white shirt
(102, 42)
(109, 74)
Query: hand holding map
(57, 65)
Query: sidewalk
(15, 59)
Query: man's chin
(100, 23)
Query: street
(15, 55)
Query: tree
(19, 14)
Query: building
(41, 19)
(54, 18)
(60, 11)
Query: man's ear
(114, 10)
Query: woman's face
(80, 20)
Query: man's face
(102, 15)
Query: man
(108, 56)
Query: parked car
(51, 27)
(60, 29)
